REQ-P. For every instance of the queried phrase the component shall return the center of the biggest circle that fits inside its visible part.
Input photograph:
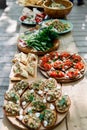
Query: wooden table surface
(76, 90)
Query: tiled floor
(9, 29)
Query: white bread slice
(21, 57)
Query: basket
(56, 12)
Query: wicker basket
(57, 13)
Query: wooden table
(77, 91)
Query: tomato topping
(60, 74)
(53, 74)
(64, 55)
(56, 74)
(73, 73)
(58, 64)
(38, 19)
(67, 64)
(76, 58)
(79, 66)
(23, 17)
(47, 66)
(54, 55)
(42, 15)
(45, 59)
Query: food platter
(70, 68)
(62, 26)
(16, 119)
(31, 17)
(24, 67)
(29, 50)
(30, 4)
(48, 46)
(27, 21)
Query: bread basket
(57, 12)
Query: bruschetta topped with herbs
(12, 95)
(63, 104)
(21, 86)
(49, 118)
(11, 109)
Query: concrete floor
(9, 29)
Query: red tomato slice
(54, 55)
(58, 65)
(76, 58)
(67, 64)
(47, 66)
(45, 59)
(64, 55)
(56, 74)
(73, 73)
(79, 66)
(53, 74)
(60, 74)
(23, 18)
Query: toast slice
(21, 57)
(63, 104)
(11, 109)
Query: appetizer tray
(63, 66)
(39, 104)
(31, 17)
(62, 26)
(28, 42)
(30, 50)
(24, 67)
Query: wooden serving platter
(19, 125)
(65, 79)
(26, 50)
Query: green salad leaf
(42, 39)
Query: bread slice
(63, 104)
(49, 118)
(21, 86)
(11, 109)
(21, 57)
(18, 72)
(32, 69)
(12, 95)
(27, 97)
(31, 121)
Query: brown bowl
(56, 12)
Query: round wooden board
(62, 80)
(30, 50)
(19, 125)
